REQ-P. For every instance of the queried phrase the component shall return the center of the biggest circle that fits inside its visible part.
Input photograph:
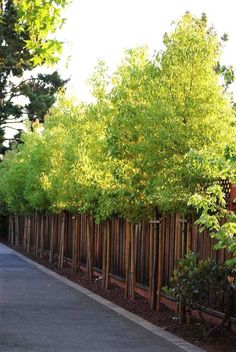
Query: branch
(5, 123)
(15, 88)
(13, 128)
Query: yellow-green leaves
(42, 18)
(156, 133)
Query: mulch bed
(224, 341)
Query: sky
(103, 29)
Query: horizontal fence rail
(140, 258)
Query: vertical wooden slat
(175, 229)
(108, 249)
(89, 248)
(172, 242)
(142, 259)
(194, 238)
(151, 262)
(61, 243)
(25, 233)
(13, 230)
(154, 245)
(127, 258)
(9, 229)
(36, 234)
(133, 235)
(78, 230)
(117, 248)
(74, 246)
(179, 239)
(160, 264)
(41, 229)
(17, 237)
(189, 236)
(95, 246)
(104, 254)
(166, 241)
(73, 254)
(28, 234)
(147, 250)
(51, 248)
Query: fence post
(41, 235)
(11, 230)
(153, 225)
(108, 247)
(189, 235)
(104, 254)
(127, 257)
(36, 233)
(61, 243)
(13, 233)
(179, 239)
(24, 233)
(160, 263)
(78, 230)
(133, 235)
(74, 246)
(151, 264)
(17, 231)
(28, 234)
(89, 248)
(51, 249)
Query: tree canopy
(157, 133)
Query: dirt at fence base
(224, 341)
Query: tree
(13, 173)
(169, 115)
(21, 93)
(196, 115)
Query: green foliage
(164, 111)
(12, 183)
(42, 19)
(79, 171)
(215, 217)
(195, 280)
(41, 93)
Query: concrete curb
(186, 346)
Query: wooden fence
(140, 258)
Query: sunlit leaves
(43, 18)
(214, 216)
(155, 134)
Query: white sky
(102, 29)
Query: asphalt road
(39, 312)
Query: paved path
(40, 311)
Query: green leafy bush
(194, 282)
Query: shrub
(195, 282)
